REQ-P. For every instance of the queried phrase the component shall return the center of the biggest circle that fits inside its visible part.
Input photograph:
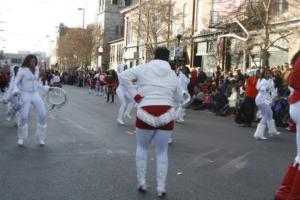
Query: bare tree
(78, 46)
(152, 24)
(261, 18)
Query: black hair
(263, 74)
(16, 69)
(187, 70)
(162, 53)
(27, 60)
(295, 57)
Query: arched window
(185, 16)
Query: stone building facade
(200, 26)
(135, 51)
(112, 24)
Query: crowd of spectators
(226, 92)
(233, 93)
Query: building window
(127, 2)
(185, 16)
(283, 6)
(115, 2)
(122, 31)
(101, 5)
(119, 30)
(129, 33)
(199, 15)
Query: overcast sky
(28, 22)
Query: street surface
(89, 157)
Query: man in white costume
(158, 92)
(126, 102)
(184, 80)
(266, 94)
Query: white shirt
(157, 83)
(55, 79)
(26, 81)
(266, 91)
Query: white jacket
(157, 83)
(266, 91)
(26, 81)
(184, 81)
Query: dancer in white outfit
(126, 102)
(157, 94)
(27, 85)
(263, 100)
(13, 102)
(184, 80)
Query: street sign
(179, 52)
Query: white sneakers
(180, 121)
(42, 142)
(272, 128)
(260, 130)
(120, 122)
(20, 142)
(40, 134)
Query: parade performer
(250, 95)
(290, 186)
(184, 80)
(12, 101)
(112, 85)
(27, 85)
(266, 94)
(126, 102)
(55, 80)
(158, 91)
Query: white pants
(28, 99)
(125, 100)
(266, 113)
(295, 115)
(161, 139)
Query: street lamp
(83, 15)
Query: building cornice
(116, 41)
(129, 9)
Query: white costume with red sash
(158, 91)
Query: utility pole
(138, 35)
(169, 23)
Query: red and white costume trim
(158, 91)
(290, 186)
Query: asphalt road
(89, 157)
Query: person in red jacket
(250, 95)
(290, 186)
